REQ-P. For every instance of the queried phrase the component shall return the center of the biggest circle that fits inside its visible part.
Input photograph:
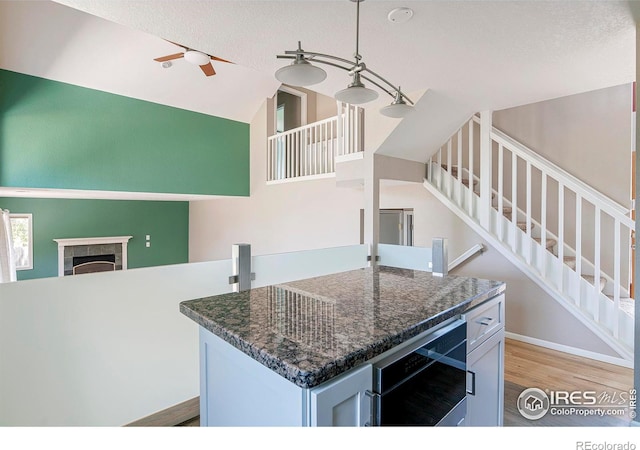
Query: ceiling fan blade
(208, 69)
(215, 58)
(175, 43)
(169, 57)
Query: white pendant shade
(396, 110)
(197, 58)
(300, 73)
(356, 95)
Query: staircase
(517, 200)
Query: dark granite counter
(311, 330)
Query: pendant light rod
(302, 73)
(357, 55)
(292, 54)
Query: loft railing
(310, 151)
(568, 233)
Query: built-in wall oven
(423, 384)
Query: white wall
(588, 135)
(101, 349)
(277, 218)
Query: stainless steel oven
(423, 384)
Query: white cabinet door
(343, 401)
(485, 383)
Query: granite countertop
(311, 330)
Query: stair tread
(523, 225)
(570, 261)
(550, 242)
(591, 279)
(627, 304)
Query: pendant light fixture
(302, 73)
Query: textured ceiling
(470, 56)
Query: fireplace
(88, 255)
(94, 263)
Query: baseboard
(570, 350)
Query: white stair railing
(309, 151)
(568, 235)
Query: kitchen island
(271, 355)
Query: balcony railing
(310, 151)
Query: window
(22, 233)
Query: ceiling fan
(194, 57)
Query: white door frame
(303, 104)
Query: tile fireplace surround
(68, 248)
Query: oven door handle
(473, 383)
(374, 410)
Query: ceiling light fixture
(302, 73)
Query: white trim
(571, 350)
(349, 157)
(62, 243)
(29, 217)
(305, 178)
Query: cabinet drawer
(483, 321)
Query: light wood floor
(526, 366)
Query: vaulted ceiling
(467, 55)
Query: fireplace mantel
(62, 243)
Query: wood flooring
(526, 366)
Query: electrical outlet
(148, 237)
(148, 244)
(430, 265)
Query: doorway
(290, 109)
(396, 226)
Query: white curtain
(7, 261)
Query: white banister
(528, 213)
(596, 249)
(310, 151)
(588, 266)
(500, 189)
(561, 233)
(459, 166)
(449, 169)
(543, 224)
(514, 199)
(477, 248)
(485, 169)
(616, 277)
(471, 175)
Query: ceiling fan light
(197, 58)
(300, 73)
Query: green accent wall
(166, 222)
(57, 135)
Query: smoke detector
(400, 15)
